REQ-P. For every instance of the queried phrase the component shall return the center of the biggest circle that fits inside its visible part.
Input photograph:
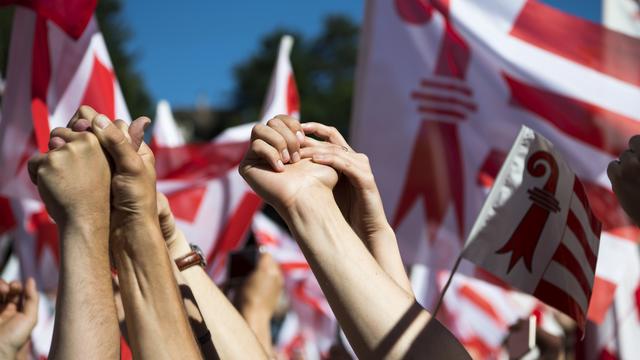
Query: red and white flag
(309, 329)
(212, 204)
(57, 61)
(448, 84)
(536, 230)
(622, 16)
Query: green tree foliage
(324, 68)
(116, 34)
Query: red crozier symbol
(435, 171)
(524, 239)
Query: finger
(324, 132)
(33, 165)
(31, 298)
(346, 164)
(81, 125)
(614, 169)
(311, 142)
(56, 143)
(165, 216)
(293, 145)
(294, 125)
(124, 127)
(65, 134)
(115, 143)
(634, 144)
(627, 157)
(136, 130)
(268, 153)
(4, 290)
(274, 139)
(83, 112)
(15, 293)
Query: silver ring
(345, 148)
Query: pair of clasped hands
(79, 158)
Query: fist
(73, 179)
(625, 179)
(272, 166)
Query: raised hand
(18, 316)
(356, 193)
(624, 174)
(73, 179)
(357, 196)
(273, 169)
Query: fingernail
(285, 155)
(102, 121)
(279, 165)
(300, 136)
(296, 157)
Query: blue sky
(188, 49)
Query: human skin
(18, 317)
(380, 318)
(74, 183)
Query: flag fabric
(54, 66)
(622, 16)
(212, 204)
(479, 314)
(309, 327)
(448, 84)
(536, 230)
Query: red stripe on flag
(574, 225)
(589, 123)
(40, 77)
(559, 299)
(198, 161)
(291, 266)
(301, 294)
(584, 42)
(478, 300)
(100, 92)
(186, 202)
(7, 220)
(594, 223)
(564, 257)
(293, 100)
(235, 228)
(601, 299)
(71, 15)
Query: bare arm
(73, 181)
(357, 196)
(156, 320)
(379, 318)
(231, 336)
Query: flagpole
(446, 286)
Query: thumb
(116, 144)
(31, 298)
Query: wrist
(178, 246)
(307, 203)
(85, 237)
(135, 238)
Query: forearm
(230, 333)
(379, 317)
(259, 321)
(86, 324)
(383, 246)
(154, 313)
